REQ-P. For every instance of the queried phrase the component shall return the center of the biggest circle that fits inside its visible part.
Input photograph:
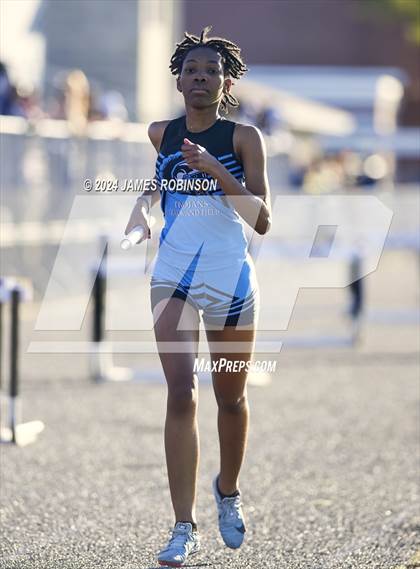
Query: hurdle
(101, 364)
(20, 434)
(102, 367)
(401, 241)
(353, 312)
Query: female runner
(203, 265)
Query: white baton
(133, 237)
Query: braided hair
(230, 53)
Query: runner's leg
(231, 396)
(181, 429)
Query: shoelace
(178, 539)
(231, 507)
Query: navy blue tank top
(202, 222)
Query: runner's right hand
(138, 217)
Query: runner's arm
(256, 209)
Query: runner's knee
(234, 406)
(182, 396)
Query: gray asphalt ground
(329, 481)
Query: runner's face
(202, 80)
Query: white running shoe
(231, 518)
(184, 542)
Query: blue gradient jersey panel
(199, 222)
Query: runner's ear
(227, 85)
